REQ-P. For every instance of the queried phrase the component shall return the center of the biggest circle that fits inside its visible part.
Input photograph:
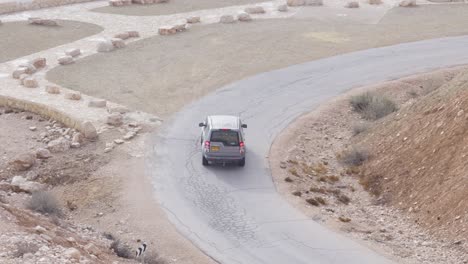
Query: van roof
(224, 121)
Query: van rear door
(225, 143)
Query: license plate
(214, 148)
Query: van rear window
(228, 138)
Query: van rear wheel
(242, 162)
(205, 161)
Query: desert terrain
(405, 199)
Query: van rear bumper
(214, 158)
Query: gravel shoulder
(172, 7)
(160, 75)
(19, 39)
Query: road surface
(235, 214)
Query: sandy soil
(305, 165)
(161, 74)
(18, 39)
(172, 7)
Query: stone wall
(14, 6)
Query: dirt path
(160, 75)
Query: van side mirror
(244, 126)
(201, 124)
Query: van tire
(205, 161)
(242, 162)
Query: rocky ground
(308, 168)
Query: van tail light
(241, 147)
(207, 146)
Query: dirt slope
(419, 160)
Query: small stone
(89, 131)
(30, 82)
(133, 34)
(352, 4)
(71, 239)
(375, 2)
(43, 153)
(193, 20)
(40, 229)
(78, 138)
(99, 103)
(73, 52)
(18, 72)
(115, 119)
(166, 30)
(65, 60)
(296, 2)
(180, 27)
(118, 141)
(255, 10)
(118, 43)
(33, 128)
(73, 96)
(244, 17)
(129, 135)
(283, 8)
(72, 253)
(23, 161)
(58, 145)
(226, 19)
(313, 2)
(408, 3)
(75, 145)
(105, 46)
(92, 249)
(123, 36)
(39, 63)
(118, 109)
(52, 89)
(30, 69)
(42, 22)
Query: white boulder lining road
(235, 214)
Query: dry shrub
(343, 199)
(344, 219)
(293, 171)
(313, 202)
(371, 183)
(293, 162)
(318, 190)
(372, 106)
(355, 156)
(360, 127)
(44, 203)
(108, 236)
(121, 249)
(321, 200)
(288, 179)
(333, 178)
(297, 193)
(23, 248)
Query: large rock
(89, 131)
(283, 8)
(64, 60)
(133, 34)
(43, 153)
(193, 20)
(18, 72)
(227, 19)
(58, 145)
(105, 46)
(30, 82)
(72, 253)
(52, 89)
(408, 3)
(73, 96)
(124, 35)
(118, 43)
(313, 2)
(99, 103)
(244, 17)
(296, 2)
(23, 161)
(167, 30)
(115, 119)
(39, 63)
(352, 4)
(254, 10)
(30, 69)
(73, 52)
(20, 184)
(42, 22)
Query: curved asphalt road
(234, 214)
